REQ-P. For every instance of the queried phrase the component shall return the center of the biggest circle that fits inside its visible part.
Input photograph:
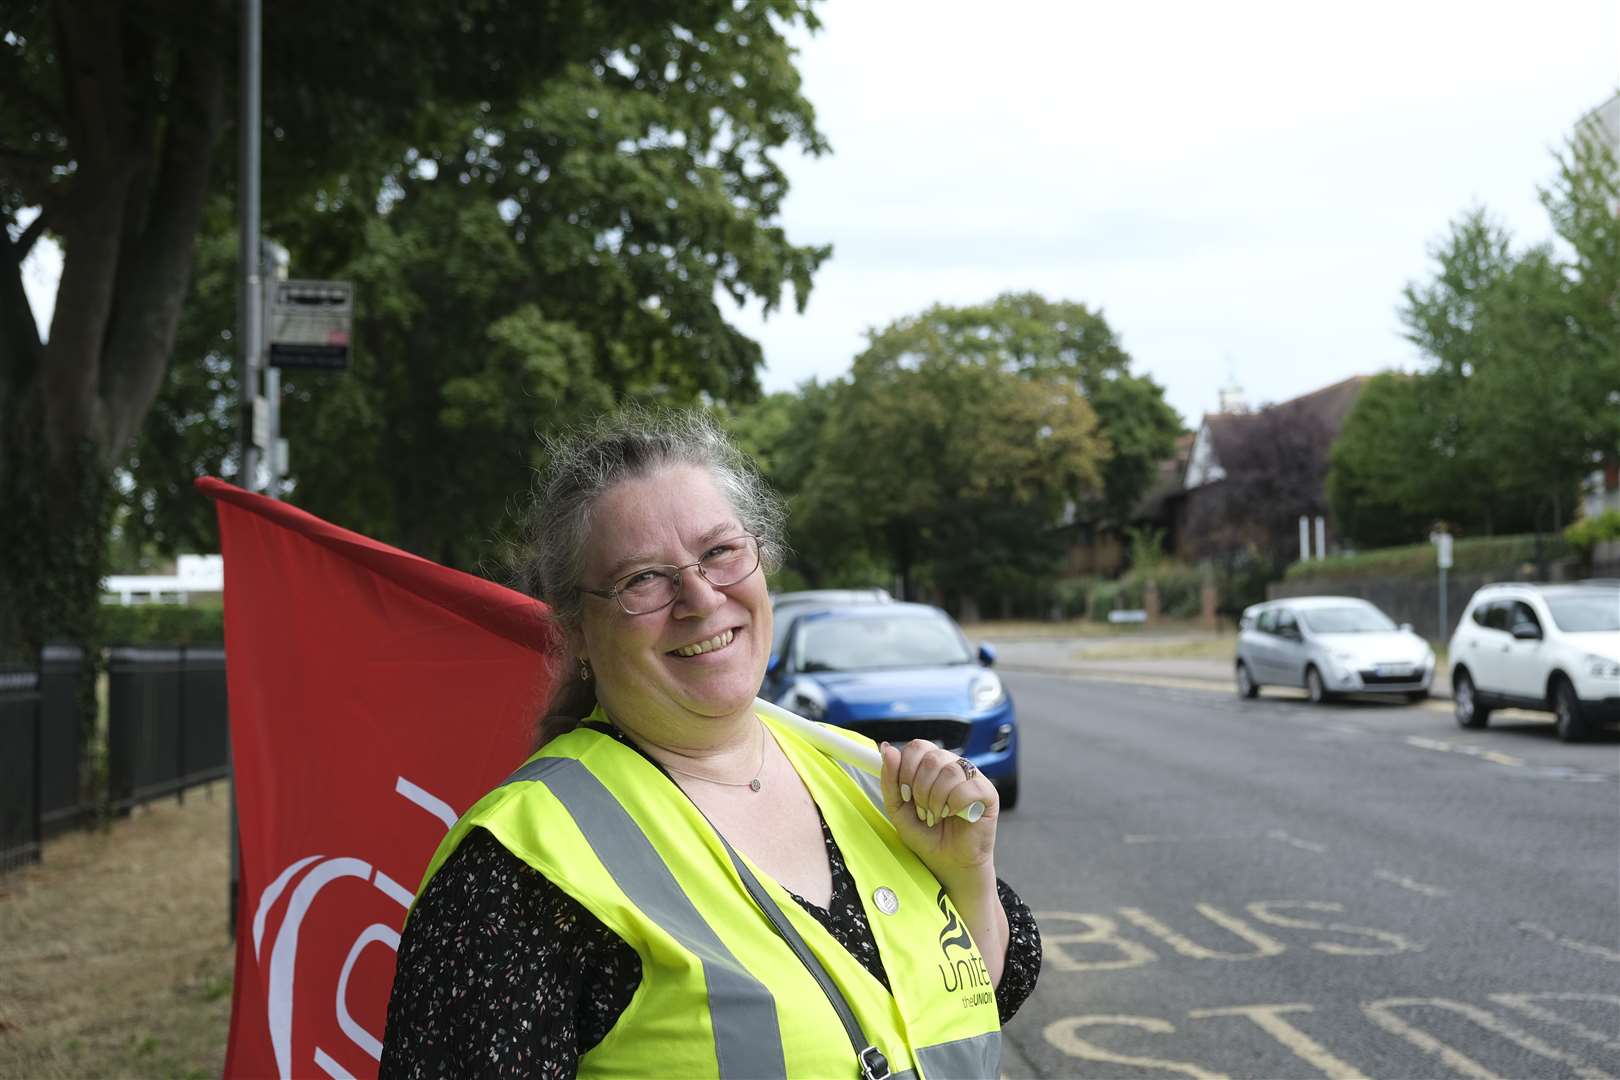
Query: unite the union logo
(292, 895)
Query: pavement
(1075, 656)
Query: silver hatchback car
(1330, 645)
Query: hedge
(1587, 533)
(1180, 592)
(161, 624)
(1482, 554)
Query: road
(1271, 889)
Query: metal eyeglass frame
(677, 578)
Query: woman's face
(671, 517)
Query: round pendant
(886, 900)
(753, 785)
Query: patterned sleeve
(501, 973)
(1023, 963)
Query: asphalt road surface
(1273, 889)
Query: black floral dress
(502, 973)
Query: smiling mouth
(719, 641)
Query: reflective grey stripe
(867, 783)
(978, 1056)
(835, 997)
(747, 1040)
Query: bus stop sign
(309, 323)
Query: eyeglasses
(643, 591)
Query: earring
(584, 670)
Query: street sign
(309, 323)
(1443, 542)
(261, 422)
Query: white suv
(1547, 647)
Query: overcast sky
(1241, 188)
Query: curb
(1139, 679)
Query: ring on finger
(969, 769)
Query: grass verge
(114, 952)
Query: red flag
(374, 697)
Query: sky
(1242, 189)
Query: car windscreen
(879, 641)
(1346, 620)
(1579, 613)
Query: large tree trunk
(127, 220)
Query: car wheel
(1315, 687)
(1572, 725)
(1415, 696)
(1008, 790)
(1246, 686)
(1465, 700)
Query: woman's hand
(923, 788)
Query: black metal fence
(167, 731)
(63, 800)
(166, 722)
(19, 762)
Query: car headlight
(1345, 658)
(808, 700)
(1602, 667)
(986, 691)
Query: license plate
(1388, 670)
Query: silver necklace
(752, 785)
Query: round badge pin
(886, 900)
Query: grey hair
(583, 464)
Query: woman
(674, 885)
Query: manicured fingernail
(932, 820)
(905, 792)
(922, 815)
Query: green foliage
(954, 470)
(1105, 597)
(1147, 547)
(1588, 532)
(1180, 591)
(1524, 377)
(1482, 554)
(161, 624)
(526, 263)
(1035, 337)
(1071, 596)
(1389, 482)
(960, 441)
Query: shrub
(1104, 598)
(1071, 596)
(1483, 554)
(1588, 532)
(161, 624)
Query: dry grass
(1010, 629)
(114, 959)
(1206, 648)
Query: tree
(1522, 393)
(785, 433)
(955, 470)
(1276, 463)
(1386, 484)
(1030, 335)
(118, 149)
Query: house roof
(1329, 407)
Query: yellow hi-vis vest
(723, 993)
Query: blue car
(896, 672)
